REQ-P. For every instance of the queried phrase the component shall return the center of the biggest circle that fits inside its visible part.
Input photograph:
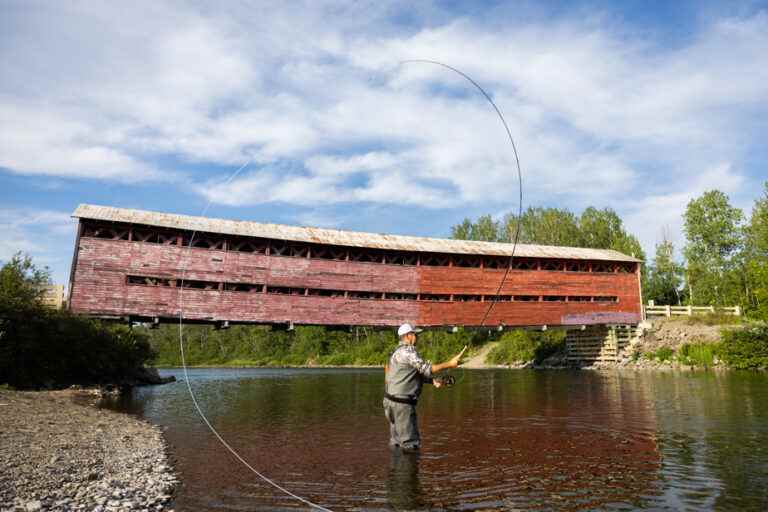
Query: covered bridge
(130, 264)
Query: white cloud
(46, 235)
(315, 96)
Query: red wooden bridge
(148, 266)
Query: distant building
(53, 296)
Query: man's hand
(453, 363)
(437, 383)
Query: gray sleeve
(412, 358)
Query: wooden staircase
(597, 343)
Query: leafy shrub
(698, 354)
(663, 354)
(41, 347)
(745, 348)
(519, 346)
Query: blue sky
(635, 105)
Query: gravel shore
(59, 452)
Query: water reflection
(403, 485)
(498, 440)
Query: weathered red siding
(99, 287)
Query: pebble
(54, 458)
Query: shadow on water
(498, 440)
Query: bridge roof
(339, 237)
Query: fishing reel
(445, 380)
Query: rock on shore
(60, 453)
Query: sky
(306, 114)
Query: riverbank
(59, 451)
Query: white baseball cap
(405, 329)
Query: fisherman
(404, 375)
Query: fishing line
(229, 180)
(186, 375)
(519, 175)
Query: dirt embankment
(675, 333)
(59, 452)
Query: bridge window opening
(107, 232)
(317, 292)
(572, 298)
(435, 297)
(203, 241)
(400, 296)
(576, 266)
(606, 299)
(435, 260)
(554, 298)
(299, 251)
(625, 268)
(602, 267)
(400, 258)
(525, 264)
(244, 287)
(498, 298)
(199, 285)
(365, 256)
(467, 298)
(552, 265)
(363, 295)
(467, 261)
(285, 290)
(495, 262)
(251, 245)
(150, 281)
(167, 238)
(526, 298)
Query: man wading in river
(404, 375)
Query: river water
(498, 439)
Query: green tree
(485, 229)
(665, 275)
(604, 229)
(713, 234)
(755, 258)
(546, 226)
(22, 284)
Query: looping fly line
(205, 211)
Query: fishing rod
(499, 114)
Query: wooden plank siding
(289, 288)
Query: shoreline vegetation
(703, 342)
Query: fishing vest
(402, 380)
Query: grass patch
(713, 319)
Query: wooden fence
(651, 310)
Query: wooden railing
(690, 310)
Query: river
(498, 439)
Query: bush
(745, 348)
(698, 354)
(41, 347)
(663, 354)
(522, 346)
